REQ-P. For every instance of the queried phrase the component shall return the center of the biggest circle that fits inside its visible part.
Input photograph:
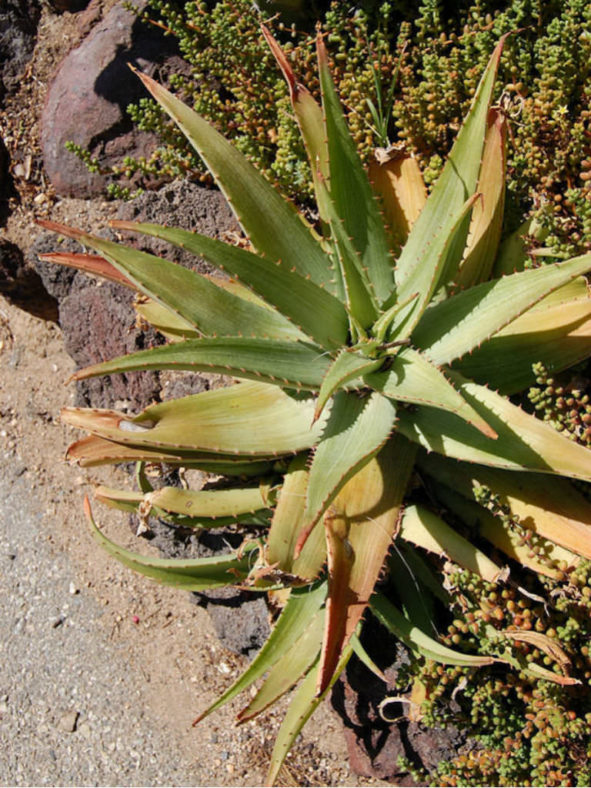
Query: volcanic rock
(87, 100)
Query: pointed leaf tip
(61, 229)
(282, 61)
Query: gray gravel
(70, 709)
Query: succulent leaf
(428, 255)
(417, 640)
(396, 178)
(174, 327)
(556, 511)
(346, 367)
(93, 451)
(556, 332)
(428, 531)
(413, 378)
(301, 607)
(318, 313)
(350, 190)
(274, 228)
(191, 574)
(357, 429)
(310, 119)
(487, 216)
(303, 704)
(508, 540)
(524, 442)
(89, 263)
(363, 656)
(288, 521)
(251, 419)
(209, 503)
(288, 670)
(360, 525)
(360, 300)
(213, 310)
(287, 364)
(210, 511)
(457, 325)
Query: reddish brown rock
(98, 324)
(87, 99)
(374, 745)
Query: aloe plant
(362, 344)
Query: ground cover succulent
(367, 345)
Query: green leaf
(426, 530)
(413, 378)
(252, 419)
(357, 429)
(416, 602)
(423, 570)
(425, 280)
(194, 574)
(92, 451)
(555, 332)
(304, 703)
(288, 521)
(231, 502)
(430, 257)
(350, 190)
(363, 656)
(523, 443)
(318, 313)
(173, 326)
(455, 326)
(310, 120)
(272, 225)
(417, 640)
(210, 511)
(214, 310)
(301, 607)
(487, 216)
(119, 499)
(346, 367)
(288, 670)
(360, 300)
(287, 364)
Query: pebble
(67, 722)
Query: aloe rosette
(363, 344)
